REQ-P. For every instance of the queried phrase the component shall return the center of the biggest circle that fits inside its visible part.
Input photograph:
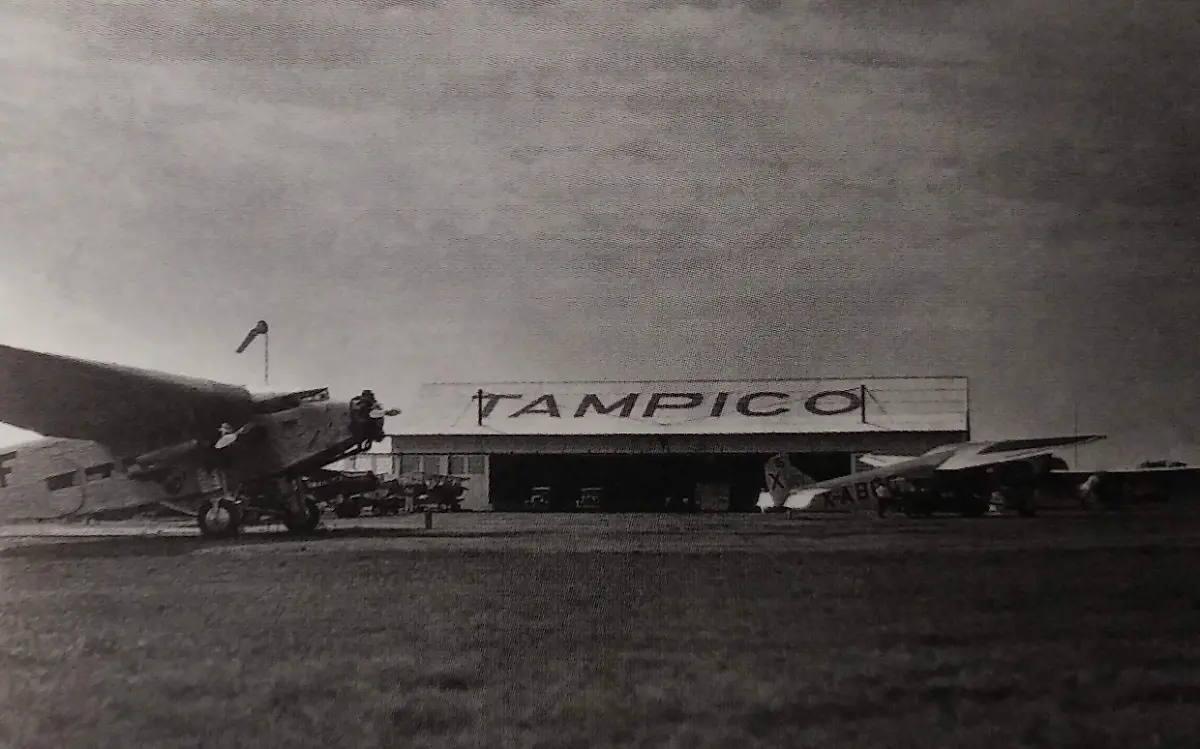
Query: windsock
(255, 332)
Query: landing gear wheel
(1026, 504)
(348, 508)
(919, 507)
(222, 520)
(308, 522)
(975, 506)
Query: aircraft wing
(882, 461)
(129, 410)
(983, 454)
(1180, 471)
(1163, 479)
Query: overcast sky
(523, 189)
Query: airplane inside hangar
(657, 445)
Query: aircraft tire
(348, 508)
(308, 523)
(225, 522)
(920, 506)
(974, 507)
(1026, 506)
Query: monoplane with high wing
(963, 477)
(117, 438)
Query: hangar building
(649, 445)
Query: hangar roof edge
(701, 380)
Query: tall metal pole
(968, 388)
(267, 358)
(1075, 426)
(479, 406)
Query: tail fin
(783, 479)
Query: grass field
(711, 641)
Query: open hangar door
(642, 483)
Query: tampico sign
(758, 404)
(681, 407)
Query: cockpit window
(102, 471)
(60, 481)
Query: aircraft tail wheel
(222, 520)
(308, 521)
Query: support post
(267, 358)
(479, 406)
(968, 383)
(862, 402)
(1075, 426)
(429, 520)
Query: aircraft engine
(158, 460)
(269, 403)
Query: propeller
(229, 435)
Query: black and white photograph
(539, 374)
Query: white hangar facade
(648, 445)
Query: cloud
(460, 189)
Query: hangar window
(460, 465)
(61, 481)
(410, 464)
(95, 473)
(431, 463)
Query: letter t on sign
(492, 399)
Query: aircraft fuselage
(52, 477)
